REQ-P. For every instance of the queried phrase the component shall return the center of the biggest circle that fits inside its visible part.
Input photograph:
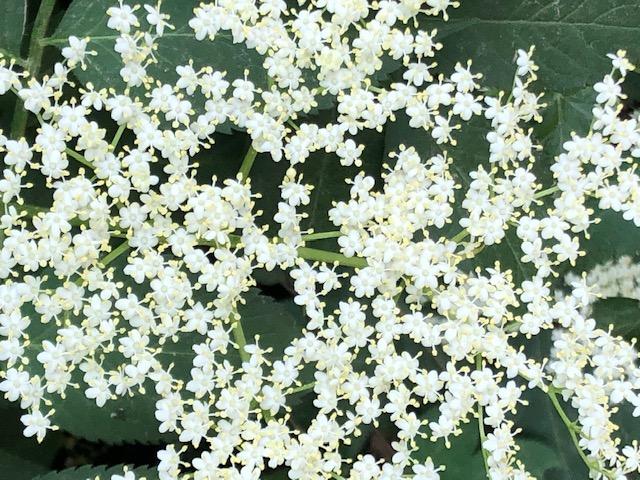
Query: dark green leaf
(621, 313)
(541, 461)
(609, 239)
(540, 422)
(12, 25)
(103, 472)
(572, 38)
(23, 458)
(463, 459)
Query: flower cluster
(133, 257)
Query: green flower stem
(301, 388)
(32, 210)
(541, 194)
(547, 192)
(483, 436)
(241, 341)
(460, 236)
(115, 253)
(34, 59)
(247, 163)
(320, 236)
(239, 338)
(591, 465)
(76, 156)
(331, 257)
(304, 252)
(110, 257)
(116, 137)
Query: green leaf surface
(572, 38)
(12, 26)
(540, 422)
(324, 171)
(540, 460)
(102, 472)
(463, 459)
(609, 239)
(621, 313)
(565, 114)
(23, 458)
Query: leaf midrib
(474, 21)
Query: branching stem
(591, 464)
(34, 59)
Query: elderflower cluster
(615, 278)
(134, 256)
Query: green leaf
(622, 313)
(566, 113)
(539, 421)
(22, 458)
(12, 26)
(609, 239)
(540, 460)
(277, 323)
(509, 253)
(103, 472)
(463, 459)
(324, 171)
(124, 420)
(572, 38)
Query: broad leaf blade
(572, 38)
(12, 26)
(103, 472)
(623, 314)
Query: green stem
(75, 155)
(32, 210)
(115, 253)
(460, 236)
(247, 163)
(591, 465)
(547, 192)
(240, 339)
(314, 254)
(320, 236)
(331, 257)
(483, 436)
(110, 257)
(34, 59)
(116, 137)
(293, 125)
(301, 388)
